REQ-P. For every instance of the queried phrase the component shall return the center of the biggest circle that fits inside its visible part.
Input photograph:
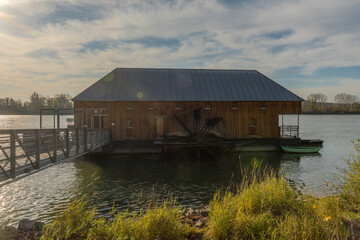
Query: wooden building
(152, 104)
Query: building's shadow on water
(132, 181)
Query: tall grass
(162, 222)
(268, 208)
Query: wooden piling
(85, 139)
(77, 141)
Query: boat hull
(293, 149)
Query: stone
(189, 212)
(204, 212)
(26, 225)
(38, 226)
(199, 223)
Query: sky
(64, 46)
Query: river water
(132, 182)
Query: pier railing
(289, 131)
(25, 150)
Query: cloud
(66, 45)
(43, 52)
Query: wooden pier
(25, 150)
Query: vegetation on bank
(35, 103)
(264, 206)
(343, 103)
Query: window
(252, 122)
(129, 106)
(262, 106)
(177, 105)
(234, 105)
(103, 104)
(207, 105)
(151, 106)
(129, 124)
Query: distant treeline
(35, 103)
(343, 103)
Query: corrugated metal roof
(147, 84)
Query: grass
(162, 222)
(264, 206)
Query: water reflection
(132, 182)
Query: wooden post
(41, 118)
(77, 141)
(67, 143)
(37, 149)
(55, 137)
(85, 139)
(282, 124)
(58, 119)
(100, 128)
(91, 139)
(298, 125)
(12, 154)
(54, 118)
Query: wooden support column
(91, 139)
(12, 154)
(100, 130)
(77, 141)
(55, 138)
(37, 149)
(298, 123)
(85, 139)
(67, 143)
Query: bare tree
(316, 99)
(345, 98)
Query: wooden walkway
(25, 150)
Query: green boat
(295, 149)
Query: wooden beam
(37, 149)
(22, 146)
(12, 155)
(55, 138)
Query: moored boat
(296, 149)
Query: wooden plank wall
(236, 124)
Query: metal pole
(12, 154)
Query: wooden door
(160, 127)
